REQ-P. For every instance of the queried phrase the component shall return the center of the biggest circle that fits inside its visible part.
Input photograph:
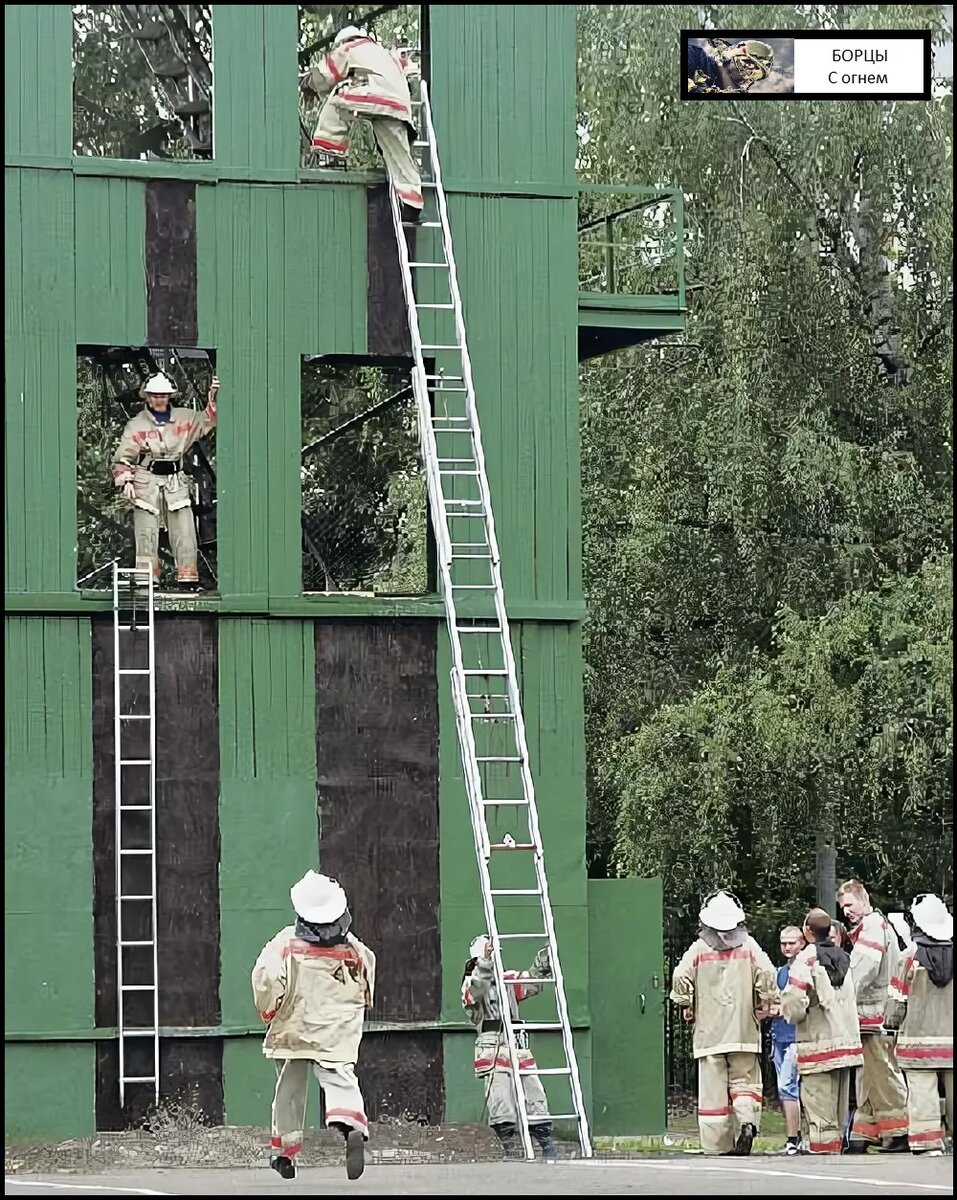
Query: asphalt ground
(655, 1175)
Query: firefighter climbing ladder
(134, 744)
(485, 690)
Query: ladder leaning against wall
(134, 764)
(485, 687)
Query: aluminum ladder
(134, 764)
(485, 689)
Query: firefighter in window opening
(726, 985)
(360, 78)
(312, 984)
(148, 468)
(492, 1063)
(920, 1005)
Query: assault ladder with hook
(485, 688)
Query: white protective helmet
(477, 948)
(347, 34)
(159, 385)
(721, 912)
(932, 916)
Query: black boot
(508, 1136)
(742, 1147)
(542, 1133)
(284, 1166)
(355, 1149)
(896, 1145)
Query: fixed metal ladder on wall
(134, 744)
(485, 688)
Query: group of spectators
(861, 1027)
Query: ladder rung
(434, 305)
(147, 897)
(430, 264)
(132, 671)
(424, 225)
(440, 346)
(139, 987)
(515, 846)
(144, 1079)
(468, 474)
(137, 943)
(138, 1033)
(473, 587)
(136, 808)
(505, 716)
(511, 937)
(506, 758)
(136, 762)
(515, 892)
(477, 628)
(135, 717)
(442, 378)
(459, 460)
(447, 419)
(564, 1116)
(546, 1071)
(122, 851)
(534, 1026)
(482, 671)
(501, 803)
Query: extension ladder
(485, 688)
(134, 745)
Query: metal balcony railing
(631, 241)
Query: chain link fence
(364, 505)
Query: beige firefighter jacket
(723, 988)
(481, 1002)
(145, 439)
(365, 77)
(313, 997)
(924, 1016)
(874, 960)
(825, 1016)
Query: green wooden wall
(282, 271)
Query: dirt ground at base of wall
(179, 1141)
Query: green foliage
(773, 491)
(363, 493)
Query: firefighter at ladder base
(313, 983)
(920, 1004)
(880, 1118)
(360, 78)
(819, 1000)
(726, 984)
(492, 1063)
(148, 468)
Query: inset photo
(738, 65)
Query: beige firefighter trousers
(497, 1076)
(392, 137)
(164, 500)
(340, 1090)
(729, 1096)
(925, 1130)
(881, 1093)
(825, 1097)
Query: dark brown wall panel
(171, 295)
(401, 1076)
(187, 850)
(377, 754)
(388, 325)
